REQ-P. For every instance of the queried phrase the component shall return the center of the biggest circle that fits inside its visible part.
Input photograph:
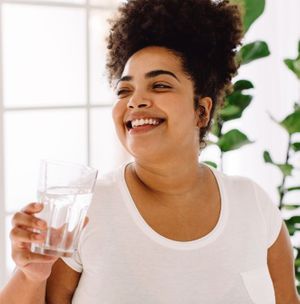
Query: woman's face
(154, 112)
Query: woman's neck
(169, 180)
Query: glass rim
(69, 163)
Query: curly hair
(204, 34)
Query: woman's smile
(143, 125)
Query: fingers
(27, 220)
(33, 208)
(23, 234)
(25, 224)
(18, 235)
(25, 257)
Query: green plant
(236, 102)
(291, 124)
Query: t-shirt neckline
(180, 245)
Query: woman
(166, 228)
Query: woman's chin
(144, 152)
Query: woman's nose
(138, 102)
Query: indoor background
(55, 102)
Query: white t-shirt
(124, 261)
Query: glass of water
(66, 190)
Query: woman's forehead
(152, 58)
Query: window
(55, 101)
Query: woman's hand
(36, 267)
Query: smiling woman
(154, 86)
(165, 228)
(202, 34)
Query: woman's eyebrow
(124, 78)
(155, 73)
(150, 74)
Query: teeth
(141, 122)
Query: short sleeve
(74, 262)
(270, 213)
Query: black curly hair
(204, 34)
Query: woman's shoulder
(242, 186)
(110, 178)
(108, 189)
(232, 180)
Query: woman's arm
(59, 288)
(20, 289)
(281, 267)
(61, 284)
(38, 277)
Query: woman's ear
(203, 109)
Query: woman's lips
(143, 129)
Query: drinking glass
(66, 190)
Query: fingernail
(37, 205)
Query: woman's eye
(122, 92)
(161, 86)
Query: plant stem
(283, 191)
(220, 126)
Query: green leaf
(230, 112)
(290, 207)
(251, 10)
(292, 123)
(294, 64)
(215, 129)
(291, 229)
(235, 105)
(297, 275)
(293, 220)
(253, 51)
(267, 157)
(293, 224)
(296, 188)
(239, 100)
(241, 85)
(233, 140)
(297, 263)
(296, 147)
(210, 163)
(286, 169)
